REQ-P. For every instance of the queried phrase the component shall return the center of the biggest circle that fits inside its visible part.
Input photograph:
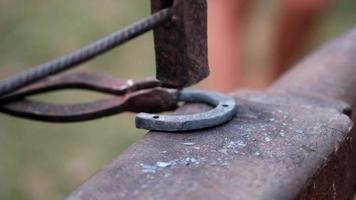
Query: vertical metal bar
(181, 45)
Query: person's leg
(225, 22)
(297, 19)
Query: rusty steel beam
(293, 141)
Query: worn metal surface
(329, 73)
(268, 151)
(141, 96)
(223, 111)
(294, 142)
(181, 45)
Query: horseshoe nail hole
(180, 104)
(155, 117)
(225, 105)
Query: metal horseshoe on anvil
(180, 38)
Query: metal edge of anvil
(272, 149)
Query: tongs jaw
(129, 96)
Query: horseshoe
(225, 110)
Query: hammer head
(181, 44)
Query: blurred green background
(47, 161)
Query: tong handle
(141, 96)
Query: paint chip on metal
(189, 143)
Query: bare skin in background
(226, 24)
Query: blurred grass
(47, 161)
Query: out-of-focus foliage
(44, 160)
(47, 161)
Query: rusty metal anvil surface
(294, 141)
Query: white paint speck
(129, 82)
(231, 145)
(163, 164)
(190, 160)
(241, 144)
(223, 151)
(299, 131)
(148, 171)
(188, 144)
(148, 168)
